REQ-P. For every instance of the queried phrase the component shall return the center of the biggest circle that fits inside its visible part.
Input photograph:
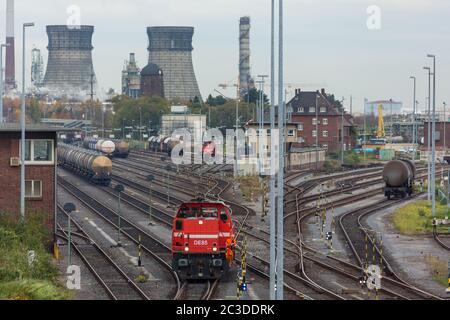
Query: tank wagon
(203, 240)
(106, 147)
(95, 167)
(398, 176)
(122, 149)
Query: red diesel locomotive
(203, 240)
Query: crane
(381, 133)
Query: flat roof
(15, 127)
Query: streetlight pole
(433, 142)
(168, 168)
(414, 120)
(342, 132)
(119, 188)
(429, 134)
(2, 86)
(237, 132)
(140, 124)
(22, 125)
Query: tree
(224, 116)
(217, 101)
(252, 96)
(130, 110)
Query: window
(301, 109)
(301, 139)
(33, 189)
(300, 127)
(291, 133)
(39, 151)
(314, 133)
(323, 109)
(312, 110)
(325, 146)
(325, 122)
(314, 121)
(325, 134)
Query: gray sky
(327, 41)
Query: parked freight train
(106, 147)
(122, 149)
(95, 167)
(398, 176)
(167, 144)
(203, 240)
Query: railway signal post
(150, 179)
(69, 208)
(119, 189)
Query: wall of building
(10, 179)
(152, 85)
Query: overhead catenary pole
(433, 142)
(445, 127)
(281, 119)
(23, 130)
(272, 226)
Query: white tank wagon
(106, 147)
(97, 168)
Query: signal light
(329, 236)
(244, 287)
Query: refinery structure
(245, 79)
(10, 67)
(70, 70)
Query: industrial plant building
(170, 49)
(152, 81)
(131, 78)
(70, 70)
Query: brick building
(306, 107)
(152, 81)
(442, 141)
(40, 170)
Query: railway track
(114, 280)
(442, 239)
(149, 244)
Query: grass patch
(438, 269)
(20, 279)
(250, 186)
(416, 217)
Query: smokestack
(245, 79)
(10, 65)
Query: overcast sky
(328, 43)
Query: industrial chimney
(70, 69)
(245, 79)
(10, 65)
(170, 48)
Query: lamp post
(150, 179)
(22, 126)
(2, 86)
(119, 189)
(414, 134)
(69, 208)
(433, 142)
(429, 133)
(445, 126)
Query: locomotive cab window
(39, 152)
(223, 215)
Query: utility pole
(445, 126)
(342, 132)
(317, 134)
(272, 266)
(365, 132)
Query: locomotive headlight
(215, 247)
(200, 222)
(186, 248)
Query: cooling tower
(170, 48)
(70, 69)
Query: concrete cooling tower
(70, 69)
(170, 48)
